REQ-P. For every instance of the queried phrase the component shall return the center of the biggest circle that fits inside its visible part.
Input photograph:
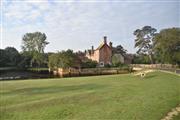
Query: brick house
(102, 54)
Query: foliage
(118, 52)
(119, 49)
(89, 64)
(107, 65)
(63, 59)
(38, 59)
(116, 60)
(3, 58)
(144, 40)
(53, 60)
(13, 56)
(9, 57)
(33, 45)
(141, 59)
(34, 42)
(25, 60)
(167, 46)
(66, 59)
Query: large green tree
(33, 45)
(63, 59)
(38, 59)
(9, 57)
(141, 59)
(34, 42)
(167, 46)
(13, 55)
(3, 58)
(144, 41)
(119, 50)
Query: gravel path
(172, 113)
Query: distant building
(102, 54)
(105, 52)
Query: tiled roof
(101, 45)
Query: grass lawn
(176, 117)
(119, 97)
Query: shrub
(89, 64)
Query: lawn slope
(125, 97)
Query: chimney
(92, 49)
(105, 39)
(110, 44)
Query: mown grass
(176, 117)
(121, 97)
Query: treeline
(153, 47)
(66, 59)
(33, 56)
(9, 57)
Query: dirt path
(172, 113)
(143, 71)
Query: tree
(167, 46)
(34, 42)
(119, 49)
(38, 59)
(116, 60)
(144, 41)
(141, 59)
(63, 59)
(3, 58)
(13, 55)
(53, 61)
(10, 57)
(88, 64)
(118, 53)
(25, 61)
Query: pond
(24, 74)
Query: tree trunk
(151, 58)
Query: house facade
(102, 54)
(106, 52)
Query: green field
(118, 97)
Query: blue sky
(78, 25)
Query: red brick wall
(105, 54)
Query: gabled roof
(102, 45)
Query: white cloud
(24, 12)
(78, 25)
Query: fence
(89, 71)
(155, 66)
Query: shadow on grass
(54, 89)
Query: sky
(78, 24)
